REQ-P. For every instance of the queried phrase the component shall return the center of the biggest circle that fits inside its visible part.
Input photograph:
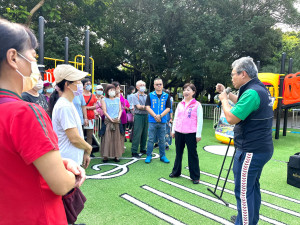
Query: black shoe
(195, 181)
(155, 145)
(233, 219)
(172, 175)
(143, 152)
(167, 148)
(135, 155)
(92, 155)
(117, 160)
(105, 160)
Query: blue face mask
(99, 92)
(50, 90)
(142, 89)
(88, 87)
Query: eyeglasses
(158, 84)
(232, 74)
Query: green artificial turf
(105, 204)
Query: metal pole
(87, 50)
(290, 69)
(41, 40)
(66, 50)
(280, 96)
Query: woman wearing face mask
(112, 143)
(124, 104)
(48, 90)
(65, 118)
(33, 95)
(187, 128)
(100, 96)
(34, 174)
(90, 100)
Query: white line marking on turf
(187, 205)
(151, 210)
(122, 167)
(269, 220)
(291, 212)
(262, 190)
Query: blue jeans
(247, 169)
(168, 136)
(159, 130)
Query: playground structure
(81, 62)
(285, 91)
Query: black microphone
(227, 90)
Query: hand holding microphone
(223, 95)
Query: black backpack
(293, 174)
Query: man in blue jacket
(252, 116)
(158, 105)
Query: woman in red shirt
(35, 175)
(90, 100)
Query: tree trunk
(35, 8)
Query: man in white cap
(65, 118)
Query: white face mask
(39, 85)
(142, 89)
(112, 94)
(30, 81)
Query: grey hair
(245, 64)
(140, 82)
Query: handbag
(293, 173)
(99, 109)
(129, 117)
(74, 203)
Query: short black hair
(85, 80)
(108, 87)
(130, 89)
(192, 86)
(157, 78)
(115, 83)
(16, 36)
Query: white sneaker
(124, 147)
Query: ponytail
(52, 101)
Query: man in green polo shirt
(253, 117)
